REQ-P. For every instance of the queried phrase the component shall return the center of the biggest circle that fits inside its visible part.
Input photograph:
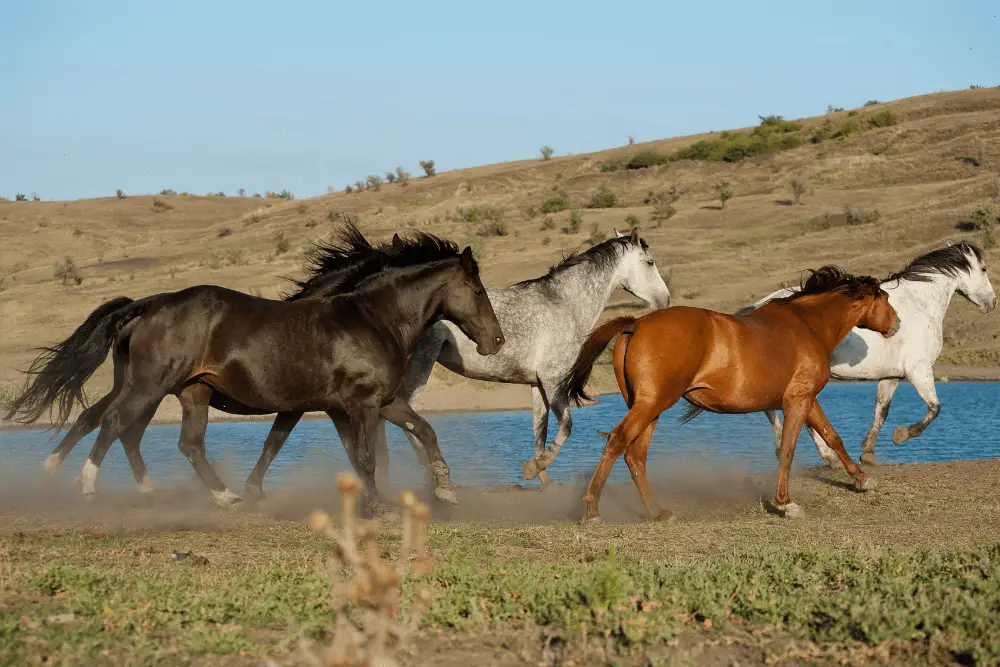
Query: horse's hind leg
(402, 415)
(194, 404)
(131, 440)
(88, 420)
(923, 382)
(635, 458)
(559, 404)
(280, 430)
(128, 407)
(883, 398)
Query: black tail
(61, 371)
(574, 381)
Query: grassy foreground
(909, 573)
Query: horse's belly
(735, 401)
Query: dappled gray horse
(545, 321)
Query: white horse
(920, 293)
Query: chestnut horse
(775, 357)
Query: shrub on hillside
(402, 176)
(428, 167)
(798, 186)
(883, 119)
(646, 159)
(20, 196)
(67, 273)
(857, 215)
(724, 191)
(555, 204)
(984, 218)
(546, 152)
(603, 198)
(119, 193)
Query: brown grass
(912, 173)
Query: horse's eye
(649, 262)
(479, 292)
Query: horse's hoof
(255, 493)
(89, 497)
(868, 458)
(864, 482)
(226, 499)
(529, 469)
(447, 495)
(900, 434)
(51, 465)
(595, 518)
(792, 511)
(664, 516)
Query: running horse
(343, 354)
(776, 357)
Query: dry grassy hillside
(923, 174)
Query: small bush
(220, 194)
(993, 190)
(848, 128)
(548, 223)
(224, 232)
(479, 213)
(604, 198)
(555, 205)
(596, 234)
(284, 194)
(979, 151)
(402, 176)
(359, 185)
(160, 206)
(35, 197)
(281, 244)
(546, 152)
(611, 166)
(883, 119)
(67, 273)
(20, 196)
(390, 177)
(832, 109)
(823, 132)
(646, 159)
(798, 186)
(493, 228)
(871, 103)
(349, 189)
(856, 214)
(575, 220)
(662, 213)
(984, 218)
(725, 192)
(428, 167)
(119, 194)
(242, 192)
(778, 124)
(631, 140)
(374, 182)
(632, 220)
(256, 195)
(167, 192)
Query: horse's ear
(467, 260)
(619, 234)
(634, 238)
(396, 241)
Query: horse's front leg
(795, 409)
(883, 398)
(923, 382)
(402, 415)
(818, 421)
(361, 451)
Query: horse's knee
(933, 409)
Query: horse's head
(638, 274)
(465, 303)
(877, 313)
(974, 282)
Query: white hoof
(226, 499)
(88, 476)
(51, 464)
(792, 511)
(447, 495)
(146, 486)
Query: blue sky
(209, 96)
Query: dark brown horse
(344, 354)
(336, 266)
(776, 357)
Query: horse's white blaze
(88, 476)
(51, 464)
(921, 306)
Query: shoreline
(466, 399)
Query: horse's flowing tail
(61, 371)
(574, 381)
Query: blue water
(487, 448)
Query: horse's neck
(406, 302)
(924, 299)
(585, 288)
(831, 316)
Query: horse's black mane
(832, 278)
(342, 263)
(950, 261)
(604, 254)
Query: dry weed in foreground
(373, 584)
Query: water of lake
(487, 448)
